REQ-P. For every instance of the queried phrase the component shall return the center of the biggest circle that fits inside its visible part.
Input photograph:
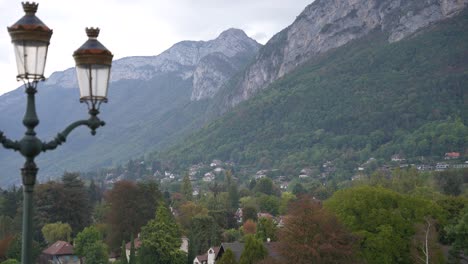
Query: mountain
(368, 98)
(153, 100)
(329, 24)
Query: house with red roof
(452, 155)
(60, 252)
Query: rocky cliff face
(327, 24)
(210, 63)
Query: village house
(208, 177)
(397, 158)
(60, 252)
(441, 166)
(452, 155)
(214, 254)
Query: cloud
(145, 27)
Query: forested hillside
(367, 98)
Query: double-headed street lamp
(30, 38)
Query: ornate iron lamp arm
(7, 143)
(93, 123)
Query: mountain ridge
(149, 105)
(324, 25)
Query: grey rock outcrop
(328, 24)
(210, 63)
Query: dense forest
(369, 98)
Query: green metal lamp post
(30, 38)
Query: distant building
(60, 252)
(424, 167)
(452, 155)
(441, 166)
(208, 177)
(398, 158)
(215, 253)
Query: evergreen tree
(227, 258)
(187, 190)
(123, 254)
(132, 258)
(253, 251)
(204, 233)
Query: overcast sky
(140, 27)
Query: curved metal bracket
(8, 143)
(93, 123)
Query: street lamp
(30, 38)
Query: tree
(265, 185)
(76, 202)
(253, 251)
(425, 248)
(88, 244)
(298, 189)
(56, 231)
(269, 203)
(227, 258)
(249, 227)
(313, 235)
(132, 257)
(127, 198)
(383, 218)
(459, 235)
(85, 240)
(188, 211)
(160, 240)
(123, 253)
(14, 249)
(204, 233)
(187, 190)
(233, 193)
(249, 212)
(6, 226)
(266, 229)
(286, 198)
(94, 192)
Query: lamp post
(30, 38)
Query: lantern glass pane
(93, 81)
(30, 59)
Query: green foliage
(253, 251)
(97, 253)
(367, 98)
(10, 261)
(451, 182)
(6, 226)
(266, 229)
(227, 258)
(187, 190)
(132, 257)
(57, 231)
(130, 199)
(269, 204)
(249, 212)
(160, 240)
(383, 218)
(459, 234)
(88, 244)
(123, 254)
(203, 234)
(14, 250)
(265, 186)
